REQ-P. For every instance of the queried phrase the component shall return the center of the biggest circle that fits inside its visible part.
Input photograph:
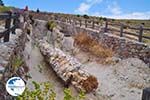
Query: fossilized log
(68, 68)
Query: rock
(112, 60)
(2, 69)
(68, 44)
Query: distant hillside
(4, 8)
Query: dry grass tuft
(91, 45)
(136, 85)
(89, 84)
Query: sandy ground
(123, 81)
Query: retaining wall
(8, 52)
(123, 47)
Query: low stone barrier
(123, 47)
(8, 52)
(68, 68)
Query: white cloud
(86, 6)
(117, 13)
(114, 11)
(133, 15)
(114, 8)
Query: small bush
(113, 20)
(5, 9)
(128, 22)
(17, 62)
(45, 91)
(86, 16)
(101, 18)
(38, 10)
(78, 15)
(51, 25)
(104, 19)
(90, 83)
(91, 45)
(97, 22)
(142, 23)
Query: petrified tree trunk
(68, 68)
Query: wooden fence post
(75, 22)
(15, 22)
(93, 25)
(140, 33)
(85, 23)
(146, 94)
(80, 23)
(106, 26)
(121, 30)
(69, 20)
(7, 26)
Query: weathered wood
(146, 37)
(106, 26)
(146, 29)
(80, 22)
(121, 30)
(85, 23)
(7, 26)
(146, 94)
(93, 24)
(122, 26)
(140, 33)
(8, 17)
(15, 24)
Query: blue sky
(128, 9)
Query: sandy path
(35, 60)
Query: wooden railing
(11, 23)
(103, 26)
(122, 29)
(106, 26)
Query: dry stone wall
(68, 68)
(123, 47)
(8, 52)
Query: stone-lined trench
(115, 81)
(39, 70)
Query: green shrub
(104, 19)
(51, 25)
(86, 16)
(128, 22)
(41, 91)
(5, 9)
(68, 95)
(101, 18)
(78, 15)
(16, 62)
(113, 20)
(45, 91)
